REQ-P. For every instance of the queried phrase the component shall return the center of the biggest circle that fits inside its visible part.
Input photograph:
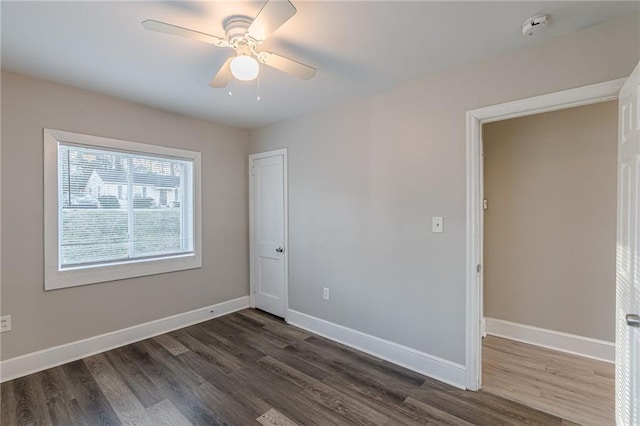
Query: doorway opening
(587, 95)
(549, 254)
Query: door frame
(252, 158)
(594, 93)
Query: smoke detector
(534, 25)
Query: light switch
(436, 224)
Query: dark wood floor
(242, 369)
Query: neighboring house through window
(144, 184)
(95, 232)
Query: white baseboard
(423, 363)
(564, 342)
(41, 360)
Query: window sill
(72, 277)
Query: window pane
(93, 235)
(157, 217)
(156, 231)
(102, 223)
(94, 224)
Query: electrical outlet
(325, 293)
(5, 323)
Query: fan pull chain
(258, 97)
(231, 86)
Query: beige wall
(365, 178)
(44, 319)
(550, 230)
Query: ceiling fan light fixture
(244, 68)
(244, 35)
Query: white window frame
(54, 278)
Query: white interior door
(268, 231)
(628, 256)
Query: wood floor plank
(314, 370)
(225, 363)
(55, 394)
(144, 389)
(247, 322)
(262, 343)
(431, 415)
(275, 418)
(8, 408)
(352, 409)
(273, 337)
(367, 384)
(31, 408)
(123, 401)
(219, 327)
(373, 397)
(173, 387)
(95, 407)
(371, 370)
(575, 388)
(276, 324)
(171, 344)
(77, 415)
(508, 410)
(211, 373)
(225, 391)
(232, 410)
(287, 399)
(334, 349)
(232, 344)
(474, 411)
(581, 382)
(161, 356)
(229, 361)
(164, 413)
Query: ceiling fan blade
(222, 77)
(273, 14)
(163, 27)
(287, 65)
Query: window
(94, 232)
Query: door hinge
(478, 268)
(485, 204)
(253, 171)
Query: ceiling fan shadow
(320, 59)
(193, 7)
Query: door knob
(279, 250)
(633, 320)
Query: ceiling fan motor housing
(235, 28)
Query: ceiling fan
(244, 35)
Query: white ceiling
(359, 48)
